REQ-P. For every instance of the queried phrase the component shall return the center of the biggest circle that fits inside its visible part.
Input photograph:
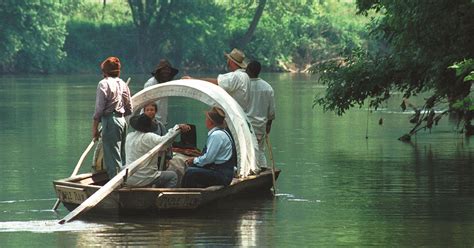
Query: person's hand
(184, 128)
(189, 161)
(95, 134)
(186, 77)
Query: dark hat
(237, 56)
(143, 123)
(216, 115)
(111, 66)
(165, 66)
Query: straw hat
(237, 57)
(216, 115)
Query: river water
(337, 188)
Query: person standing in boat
(113, 103)
(216, 165)
(236, 82)
(141, 141)
(164, 72)
(262, 109)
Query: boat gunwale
(236, 181)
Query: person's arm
(95, 130)
(99, 108)
(210, 80)
(269, 126)
(127, 101)
(158, 139)
(213, 145)
(271, 112)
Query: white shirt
(139, 143)
(262, 105)
(236, 83)
(219, 148)
(162, 113)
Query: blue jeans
(197, 177)
(114, 131)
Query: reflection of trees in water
(229, 222)
(439, 170)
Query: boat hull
(73, 191)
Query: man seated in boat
(216, 165)
(139, 142)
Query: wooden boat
(75, 190)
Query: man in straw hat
(236, 82)
(216, 165)
(113, 102)
(164, 72)
(142, 141)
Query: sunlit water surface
(336, 187)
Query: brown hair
(152, 104)
(111, 67)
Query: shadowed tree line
(42, 36)
(419, 47)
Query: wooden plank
(117, 181)
(71, 194)
(178, 200)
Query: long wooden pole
(267, 139)
(116, 181)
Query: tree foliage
(417, 42)
(32, 34)
(70, 36)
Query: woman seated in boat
(140, 142)
(216, 165)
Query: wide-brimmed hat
(165, 65)
(216, 115)
(237, 56)
(111, 66)
(143, 123)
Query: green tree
(32, 34)
(417, 43)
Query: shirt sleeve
(150, 82)
(156, 139)
(100, 99)
(271, 107)
(227, 81)
(127, 101)
(213, 144)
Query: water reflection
(234, 223)
(337, 188)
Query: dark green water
(337, 188)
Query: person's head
(215, 118)
(143, 123)
(150, 109)
(111, 67)
(253, 69)
(235, 59)
(164, 71)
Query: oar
(78, 166)
(273, 163)
(116, 181)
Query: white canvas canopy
(214, 96)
